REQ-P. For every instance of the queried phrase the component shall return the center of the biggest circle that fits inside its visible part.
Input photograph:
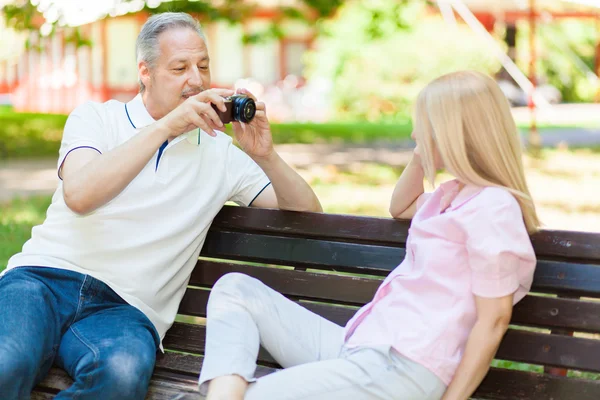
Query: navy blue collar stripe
(162, 146)
(128, 117)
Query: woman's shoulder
(492, 206)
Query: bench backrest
(315, 258)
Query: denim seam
(76, 315)
(90, 377)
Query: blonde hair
(465, 119)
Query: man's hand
(197, 112)
(255, 138)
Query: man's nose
(195, 78)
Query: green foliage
(565, 53)
(380, 54)
(21, 14)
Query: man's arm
(288, 191)
(91, 179)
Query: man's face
(181, 71)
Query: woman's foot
(232, 387)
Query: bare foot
(232, 387)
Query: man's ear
(144, 73)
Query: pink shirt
(458, 246)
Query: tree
(379, 54)
(22, 15)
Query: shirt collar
(139, 117)
(462, 196)
(137, 113)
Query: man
(100, 281)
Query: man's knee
(18, 370)
(126, 372)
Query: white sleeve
(84, 129)
(246, 179)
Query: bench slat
(567, 244)
(503, 384)
(160, 388)
(348, 289)
(42, 395)
(315, 226)
(499, 384)
(188, 365)
(517, 345)
(552, 350)
(547, 243)
(567, 278)
(362, 258)
(545, 312)
(550, 277)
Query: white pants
(243, 313)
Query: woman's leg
(242, 314)
(359, 374)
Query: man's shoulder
(93, 108)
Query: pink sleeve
(500, 253)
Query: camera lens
(244, 108)
(249, 111)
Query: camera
(240, 108)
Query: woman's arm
(408, 189)
(493, 317)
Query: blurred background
(339, 78)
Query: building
(54, 74)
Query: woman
(436, 321)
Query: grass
(16, 220)
(358, 132)
(550, 127)
(25, 135)
(29, 135)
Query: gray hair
(146, 45)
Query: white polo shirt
(144, 243)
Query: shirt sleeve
(84, 129)
(246, 179)
(501, 256)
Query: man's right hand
(197, 112)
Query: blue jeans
(49, 316)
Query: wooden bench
(317, 250)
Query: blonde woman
(436, 321)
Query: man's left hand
(255, 137)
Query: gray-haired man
(100, 281)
